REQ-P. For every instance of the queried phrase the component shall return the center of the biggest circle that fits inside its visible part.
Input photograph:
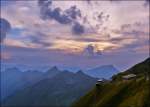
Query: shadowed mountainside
(13, 79)
(61, 90)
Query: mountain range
(54, 81)
(13, 79)
(61, 90)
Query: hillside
(118, 93)
(65, 88)
(139, 69)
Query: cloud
(68, 49)
(39, 39)
(67, 17)
(102, 17)
(133, 37)
(57, 16)
(78, 29)
(5, 27)
(73, 12)
(63, 17)
(92, 51)
(136, 29)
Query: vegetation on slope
(119, 93)
(140, 69)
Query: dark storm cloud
(57, 16)
(66, 17)
(78, 29)
(48, 13)
(5, 27)
(70, 16)
(73, 12)
(91, 51)
(62, 17)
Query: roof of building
(100, 80)
(129, 76)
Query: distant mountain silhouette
(105, 71)
(13, 79)
(52, 72)
(60, 90)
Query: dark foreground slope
(119, 93)
(59, 91)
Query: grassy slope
(120, 93)
(123, 94)
(140, 69)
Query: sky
(74, 34)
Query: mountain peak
(79, 72)
(53, 69)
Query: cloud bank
(75, 30)
(5, 27)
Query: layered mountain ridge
(65, 88)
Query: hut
(129, 77)
(101, 81)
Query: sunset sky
(74, 34)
